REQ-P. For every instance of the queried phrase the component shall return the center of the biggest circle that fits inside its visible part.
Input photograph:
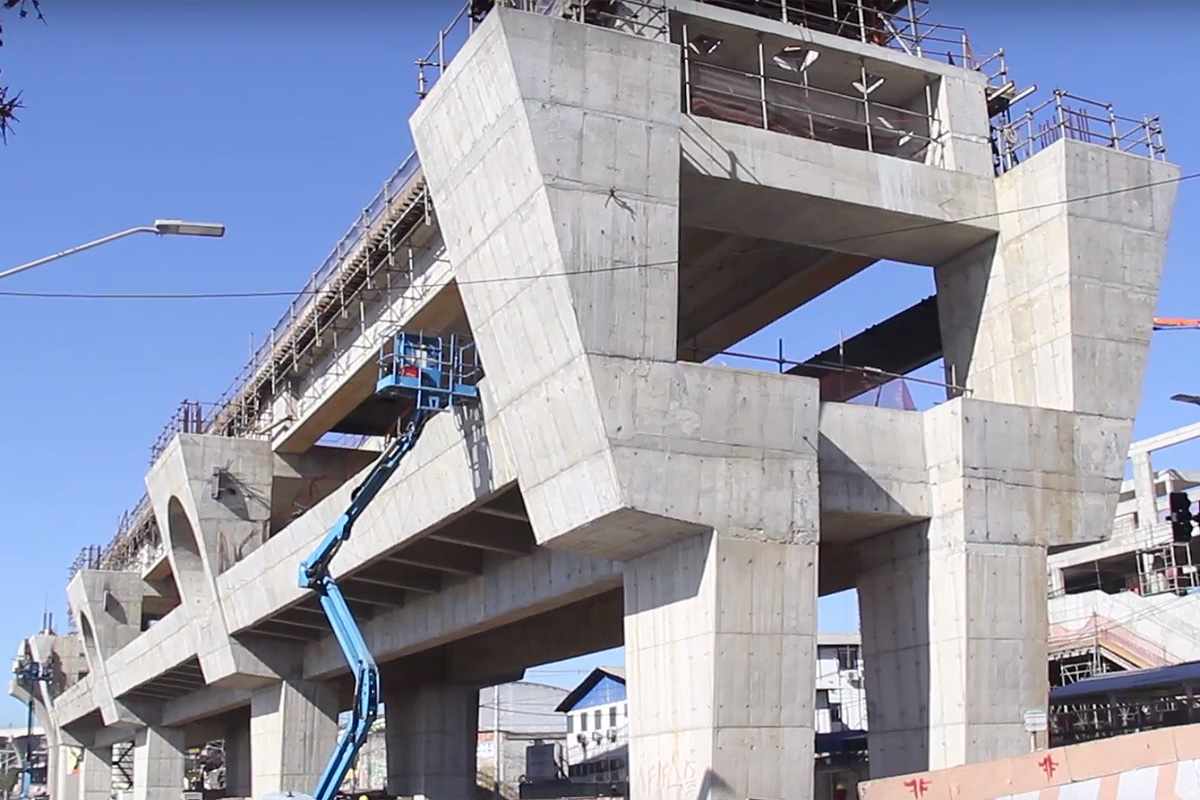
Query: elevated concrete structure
(605, 230)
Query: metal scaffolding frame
(1068, 116)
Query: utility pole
(496, 739)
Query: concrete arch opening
(186, 561)
(90, 650)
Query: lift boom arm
(314, 574)
(434, 377)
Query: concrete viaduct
(596, 212)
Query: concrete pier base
(293, 727)
(719, 652)
(431, 740)
(237, 757)
(95, 773)
(158, 763)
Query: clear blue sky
(282, 125)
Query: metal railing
(908, 31)
(641, 17)
(136, 544)
(237, 411)
(800, 109)
(1016, 139)
(192, 416)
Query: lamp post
(160, 227)
(29, 673)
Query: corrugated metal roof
(1129, 681)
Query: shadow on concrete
(479, 450)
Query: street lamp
(161, 227)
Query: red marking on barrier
(1048, 765)
(918, 786)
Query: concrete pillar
(1144, 491)
(65, 766)
(158, 756)
(237, 758)
(720, 660)
(954, 646)
(293, 727)
(431, 738)
(95, 773)
(1056, 311)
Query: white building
(841, 701)
(597, 713)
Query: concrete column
(66, 766)
(293, 727)
(95, 773)
(1144, 491)
(237, 758)
(954, 646)
(431, 739)
(720, 659)
(158, 755)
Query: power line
(594, 270)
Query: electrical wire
(128, 295)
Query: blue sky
(282, 125)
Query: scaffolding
(1166, 569)
(137, 544)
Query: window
(627, 711)
(612, 717)
(822, 698)
(599, 719)
(847, 656)
(570, 724)
(835, 713)
(583, 720)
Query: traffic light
(1181, 517)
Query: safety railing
(799, 109)
(1067, 116)
(640, 17)
(192, 416)
(136, 544)
(907, 30)
(237, 410)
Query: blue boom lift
(430, 374)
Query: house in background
(840, 707)
(597, 750)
